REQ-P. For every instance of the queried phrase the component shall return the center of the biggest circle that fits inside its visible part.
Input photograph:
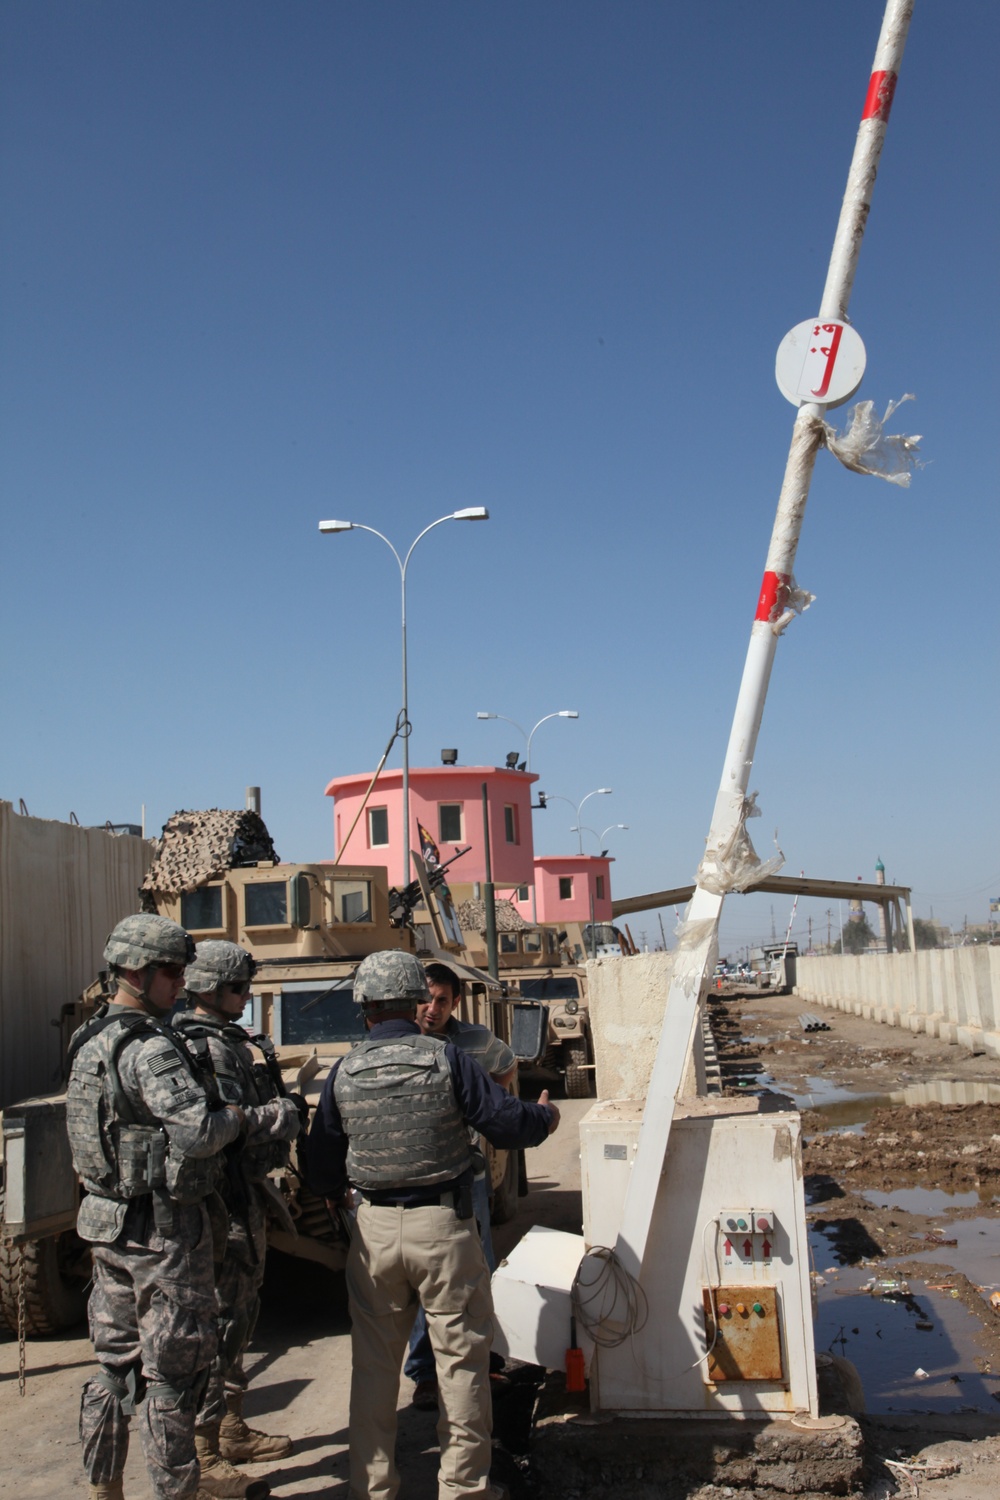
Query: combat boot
(243, 1444)
(218, 1477)
(111, 1491)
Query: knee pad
(127, 1385)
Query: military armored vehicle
(545, 982)
(308, 927)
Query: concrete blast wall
(626, 998)
(952, 993)
(62, 889)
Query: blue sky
(264, 264)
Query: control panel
(744, 1334)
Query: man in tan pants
(393, 1119)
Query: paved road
(301, 1368)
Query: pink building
(565, 886)
(448, 801)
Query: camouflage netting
(199, 846)
(472, 917)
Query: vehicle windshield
(323, 1013)
(551, 987)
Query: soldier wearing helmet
(218, 982)
(393, 1120)
(146, 1128)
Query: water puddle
(890, 1338)
(843, 1109)
(917, 1200)
(977, 1251)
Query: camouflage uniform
(272, 1122)
(152, 1308)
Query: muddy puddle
(914, 1350)
(842, 1108)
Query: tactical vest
(240, 1081)
(400, 1115)
(116, 1154)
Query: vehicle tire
(505, 1194)
(579, 1078)
(56, 1283)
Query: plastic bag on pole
(867, 448)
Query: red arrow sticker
(766, 1247)
(748, 1249)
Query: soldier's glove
(302, 1105)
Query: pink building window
(450, 822)
(565, 887)
(599, 887)
(510, 828)
(378, 827)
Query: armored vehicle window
(266, 904)
(352, 900)
(378, 827)
(508, 942)
(531, 942)
(552, 987)
(201, 910)
(326, 1014)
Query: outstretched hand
(543, 1098)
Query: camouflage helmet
(216, 963)
(389, 975)
(147, 939)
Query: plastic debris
(868, 449)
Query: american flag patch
(164, 1062)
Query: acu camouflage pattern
(390, 975)
(152, 1316)
(125, 1081)
(272, 1122)
(218, 962)
(399, 1113)
(153, 1307)
(491, 1053)
(146, 939)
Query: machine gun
(402, 903)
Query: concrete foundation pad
(603, 1456)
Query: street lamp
(560, 713)
(600, 791)
(470, 513)
(585, 828)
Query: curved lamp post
(470, 513)
(585, 828)
(560, 713)
(600, 791)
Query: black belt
(447, 1199)
(460, 1199)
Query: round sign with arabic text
(820, 361)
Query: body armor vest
(398, 1107)
(240, 1080)
(117, 1153)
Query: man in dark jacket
(393, 1120)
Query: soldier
(219, 980)
(394, 1119)
(145, 1131)
(436, 1017)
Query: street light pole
(601, 791)
(470, 513)
(560, 713)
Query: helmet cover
(146, 939)
(390, 975)
(216, 962)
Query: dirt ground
(853, 1158)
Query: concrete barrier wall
(952, 993)
(62, 889)
(626, 998)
